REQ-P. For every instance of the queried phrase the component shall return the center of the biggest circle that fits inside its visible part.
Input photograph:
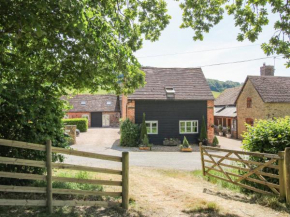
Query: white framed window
(152, 127)
(86, 116)
(188, 126)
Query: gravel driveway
(106, 141)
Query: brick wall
(210, 120)
(124, 106)
(259, 109)
(131, 110)
(79, 115)
(114, 118)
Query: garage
(96, 119)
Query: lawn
(215, 94)
(160, 192)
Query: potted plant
(171, 141)
(220, 130)
(145, 145)
(228, 134)
(185, 147)
(203, 133)
(215, 142)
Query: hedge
(82, 123)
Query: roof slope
(94, 103)
(225, 111)
(188, 83)
(228, 96)
(272, 88)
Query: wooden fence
(235, 166)
(50, 178)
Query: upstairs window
(250, 121)
(152, 127)
(249, 102)
(170, 92)
(83, 102)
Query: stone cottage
(263, 97)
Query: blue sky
(175, 40)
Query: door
(96, 119)
(106, 120)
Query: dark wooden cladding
(168, 113)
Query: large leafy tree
(75, 44)
(249, 15)
(49, 47)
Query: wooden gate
(49, 165)
(235, 166)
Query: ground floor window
(86, 116)
(250, 121)
(187, 127)
(152, 127)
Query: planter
(229, 135)
(186, 149)
(221, 133)
(173, 142)
(145, 148)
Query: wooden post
(49, 176)
(202, 158)
(125, 180)
(281, 165)
(287, 174)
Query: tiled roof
(272, 88)
(188, 84)
(225, 111)
(94, 103)
(228, 96)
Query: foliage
(78, 44)
(220, 128)
(228, 130)
(268, 136)
(145, 142)
(203, 131)
(171, 141)
(82, 123)
(220, 86)
(249, 16)
(215, 141)
(130, 134)
(185, 143)
(143, 129)
(29, 113)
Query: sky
(174, 40)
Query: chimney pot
(267, 70)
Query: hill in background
(220, 86)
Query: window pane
(182, 124)
(154, 124)
(188, 127)
(182, 129)
(154, 130)
(194, 129)
(194, 123)
(148, 129)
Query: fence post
(125, 180)
(287, 174)
(202, 158)
(49, 176)
(281, 165)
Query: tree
(249, 16)
(203, 132)
(76, 44)
(143, 129)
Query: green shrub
(215, 141)
(268, 136)
(203, 133)
(185, 143)
(31, 113)
(82, 123)
(143, 129)
(130, 134)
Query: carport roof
(93, 103)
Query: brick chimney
(267, 70)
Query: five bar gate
(227, 165)
(49, 202)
